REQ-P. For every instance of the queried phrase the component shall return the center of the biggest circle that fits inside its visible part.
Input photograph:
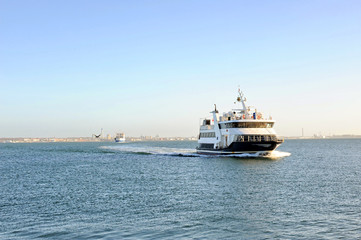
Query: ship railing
(250, 118)
(222, 118)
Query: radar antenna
(241, 99)
(215, 108)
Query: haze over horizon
(70, 68)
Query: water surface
(163, 190)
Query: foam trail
(279, 154)
(188, 152)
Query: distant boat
(120, 138)
(238, 131)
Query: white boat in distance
(120, 138)
(242, 130)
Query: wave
(188, 152)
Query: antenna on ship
(241, 99)
(240, 95)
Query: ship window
(256, 138)
(207, 135)
(207, 122)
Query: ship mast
(216, 128)
(242, 100)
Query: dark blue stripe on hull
(246, 147)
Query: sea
(307, 189)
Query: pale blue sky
(69, 68)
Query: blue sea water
(309, 189)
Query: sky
(70, 68)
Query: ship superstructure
(242, 130)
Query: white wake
(189, 152)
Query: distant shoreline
(137, 139)
(326, 137)
(89, 139)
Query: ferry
(242, 130)
(120, 138)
